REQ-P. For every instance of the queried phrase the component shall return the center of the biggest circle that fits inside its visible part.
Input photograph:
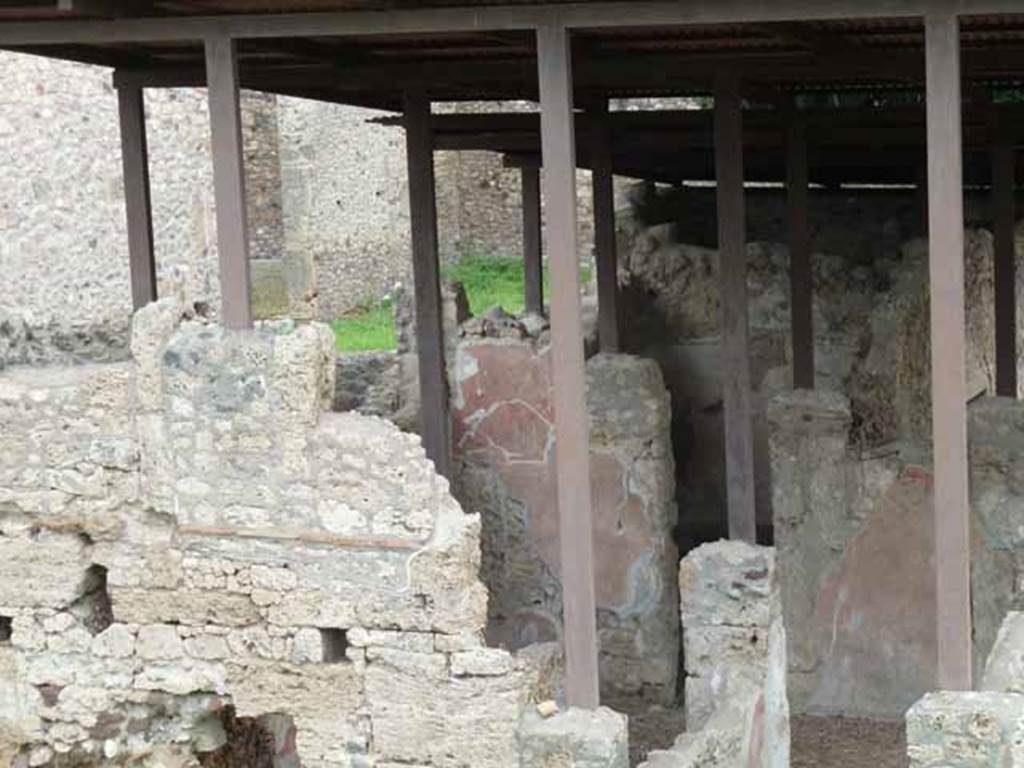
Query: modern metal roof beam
(580, 15)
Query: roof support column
(732, 277)
(567, 372)
(229, 181)
(1004, 223)
(138, 206)
(801, 271)
(604, 230)
(434, 426)
(948, 338)
(533, 263)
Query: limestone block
(626, 399)
(46, 570)
(159, 641)
(966, 730)
(1004, 672)
(325, 701)
(421, 714)
(574, 738)
(20, 704)
(728, 583)
(481, 662)
(707, 748)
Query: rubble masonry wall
(190, 530)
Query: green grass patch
(365, 329)
(489, 281)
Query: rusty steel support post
(1004, 215)
(948, 337)
(435, 424)
(605, 254)
(138, 205)
(732, 269)
(533, 262)
(229, 181)
(801, 271)
(575, 514)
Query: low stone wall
(855, 535)
(855, 539)
(504, 437)
(190, 546)
(737, 713)
(976, 729)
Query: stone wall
(189, 532)
(503, 435)
(737, 713)
(345, 197)
(976, 729)
(328, 208)
(870, 322)
(855, 536)
(996, 442)
(63, 243)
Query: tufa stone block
(574, 738)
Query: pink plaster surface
(506, 422)
(876, 614)
(504, 438)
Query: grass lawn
(490, 281)
(365, 329)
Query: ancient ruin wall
(504, 445)
(63, 243)
(190, 530)
(855, 536)
(978, 728)
(855, 542)
(737, 712)
(870, 323)
(996, 445)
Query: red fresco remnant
(507, 421)
(504, 438)
(882, 599)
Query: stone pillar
(734, 644)
(808, 448)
